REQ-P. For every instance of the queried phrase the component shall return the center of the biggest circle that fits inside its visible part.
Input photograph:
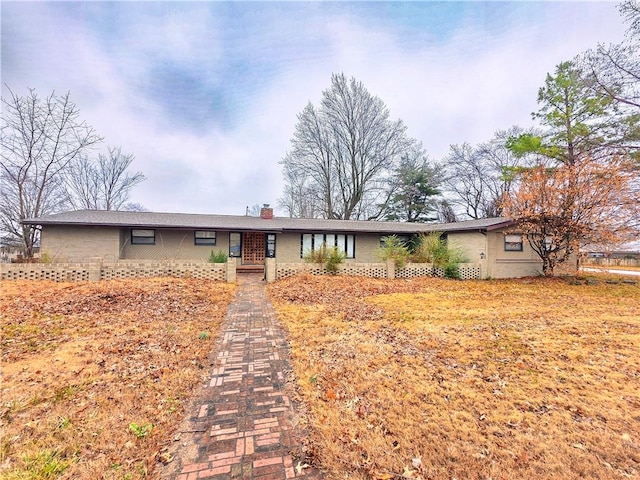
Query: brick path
(242, 425)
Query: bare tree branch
(40, 139)
(343, 154)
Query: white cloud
(462, 86)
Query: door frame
(253, 248)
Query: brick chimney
(266, 212)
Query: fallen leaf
(408, 472)
(384, 476)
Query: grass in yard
(611, 267)
(442, 379)
(96, 376)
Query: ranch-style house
(276, 244)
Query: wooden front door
(253, 248)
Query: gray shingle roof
(244, 223)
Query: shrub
(431, 249)
(218, 257)
(393, 248)
(319, 255)
(335, 258)
(330, 257)
(452, 270)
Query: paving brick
(262, 421)
(248, 446)
(214, 471)
(195, 467)
(267, 461)
(221, 456)
(270, 476)
(240, 447)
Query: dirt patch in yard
(96, 376)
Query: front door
(253, 248)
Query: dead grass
(96, 376)
(611, 267)
(440, 379)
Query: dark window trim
(208, 241)
(143, 239)
(513, 246)
(267, 253)
(231, 255)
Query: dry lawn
(442, 379)
(96, 376)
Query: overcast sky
(205, 94)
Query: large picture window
(205, 237)
(143, 237)
(513, 243)
(313, 241)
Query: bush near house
(218, 257)
(426, 248)
(330, 257)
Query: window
(143, 237)
(204, 237)
(513, 243)
(313, 241)
(271, 245)
(235, 245)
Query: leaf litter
(82, 362)
(440, 379)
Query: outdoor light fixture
(482, 255)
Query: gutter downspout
(484, 257)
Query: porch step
(250, 269)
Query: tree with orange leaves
(560, 208)
(582, 187)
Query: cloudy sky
(205, 94)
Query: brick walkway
(242, 425)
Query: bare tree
(40, 138)
(104, 184)
(614, 69)
(446, 213)
(300, 200)
(83, 187)
(630, 10)
(342, 153)
(465, 181)
(478, 178)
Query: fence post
(391, 269)
(231, 270)
(270, 269)
(94, 269)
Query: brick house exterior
(113, 236)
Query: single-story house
(117, 236)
